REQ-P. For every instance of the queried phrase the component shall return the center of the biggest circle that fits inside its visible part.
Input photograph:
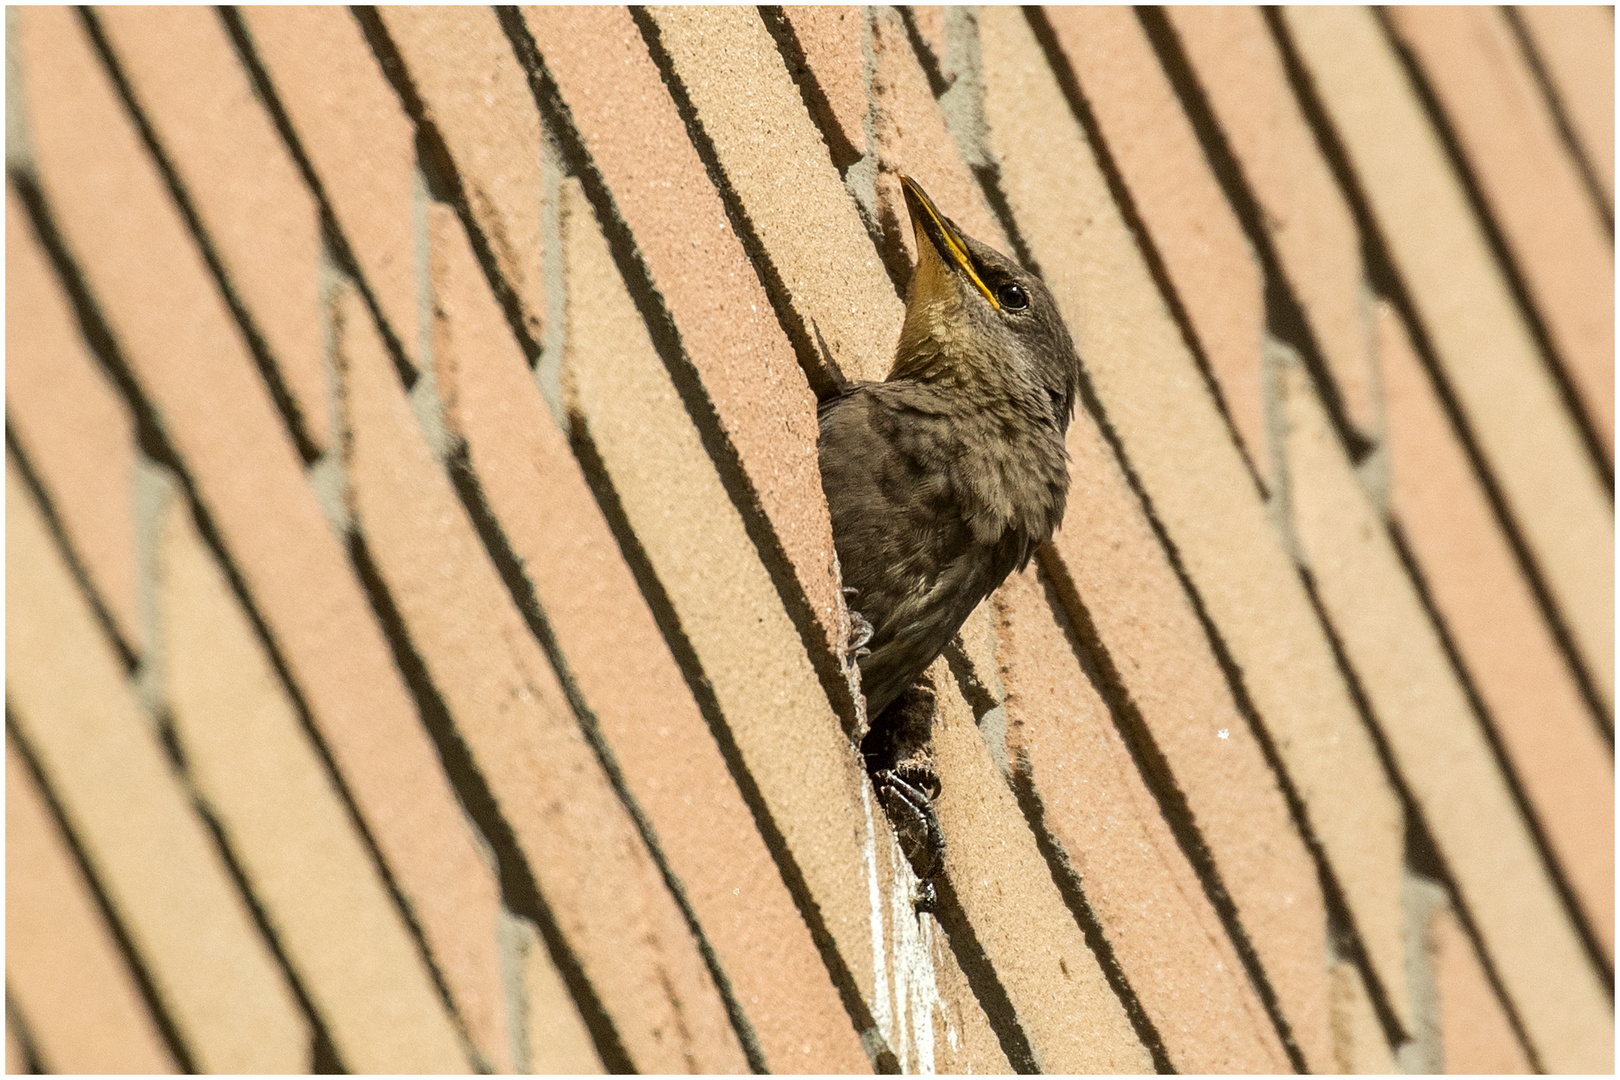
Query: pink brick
(576, 838)
(831, 39)
(1209, 262)
(1160, 410)
(627, 675)
(1551, 739)
(1116, 568)
(1304, 213)
(631, 129)
(63, 970)
(476, 96)
(264, 225)
(1576, 46)
(358, 139)
(69, 421)
(1167, 939)
(1500, 382)
(1489, 94)
(1475, 1033)
(162, 874)
(174, 332)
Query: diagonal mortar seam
(1332, 891)
(842, 152)
(1513, 272)
(1521, 798)
(1284, 314)
(1387, 282)
(446, 187)
(1419, 837)
(1246, 207)
(983, 980)
(17, 1027)
(444, 180)
(139, 969)
(666, 339)
(263, 357)
(1560, 115)
(156, 445)
(70, 552)
(667, 342)
(1156, 772)
(1069, 83)
(331, 233)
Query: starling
(941, 480)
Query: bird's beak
(947, 241)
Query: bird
(940, 481)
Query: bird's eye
(1011, 296)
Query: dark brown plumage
(944, 478)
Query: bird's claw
(907, 792)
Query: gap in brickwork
(17, 1027)
(445, 186)
(1386, 281)
(1423, 854)
(338, 244)
(1286, 319)
(155, 445)
(162, 1018)
(1551, 357)
(666, 340)
(1560, 115)
(1070, 608)
(1080, 106)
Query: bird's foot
(908, 791)
(860, 629)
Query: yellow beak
(926, 220)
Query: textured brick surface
(1575, 45)
(476, 96)
(725, 59)
(1557, 751)
(176, 336)
(786, 734)
(246, 190)
(1072, 1018)
(1476, 1036)
(576, 837)
(1164, 417)
(63, 970)
(626, 672)
(358, 141)
(1239, 71)
(262, 779)
(1437, 745)
(158, 865)
(1205, 254)
(1167, 938)
(631, 129)
(78, 438)
(1483, 348)
(507, 664)
(1141, 616)
(1475, 67)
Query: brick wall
(425, 647)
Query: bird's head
(978, 320)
